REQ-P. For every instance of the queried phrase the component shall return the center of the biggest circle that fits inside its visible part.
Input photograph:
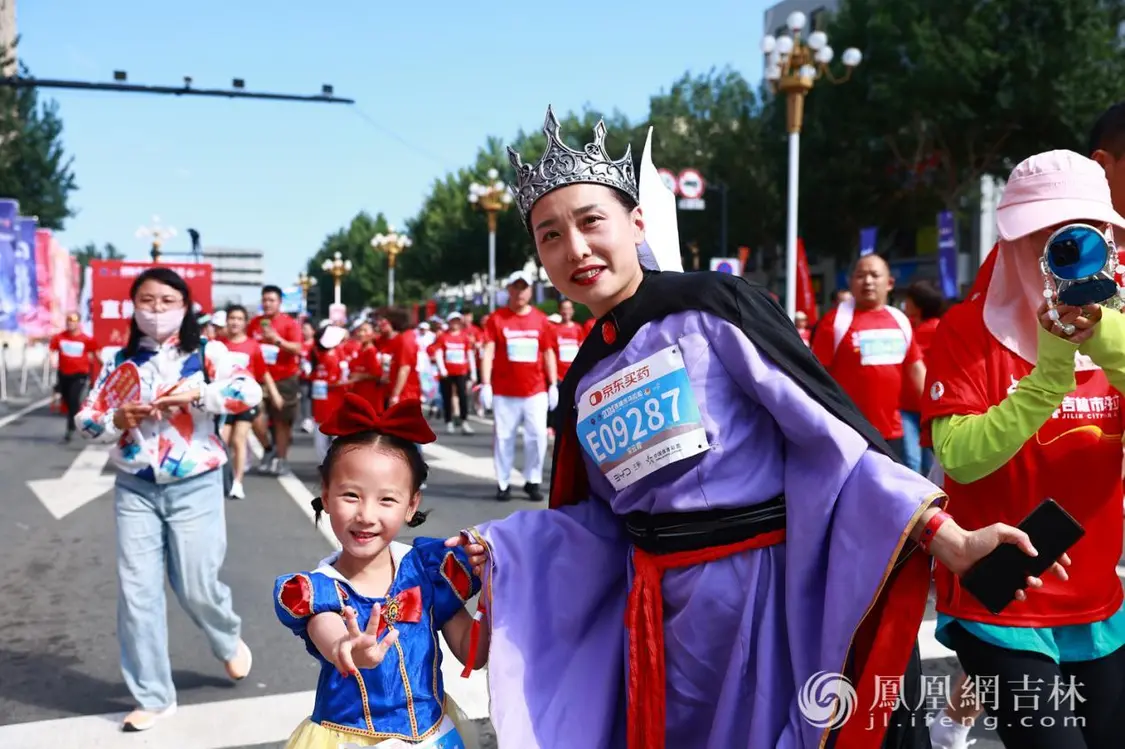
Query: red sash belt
(644, 619)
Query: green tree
(366, 284)
(90, 252)
(949, 91)
(34, 169)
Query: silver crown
(561, 165)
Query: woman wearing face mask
(1025, 405)
(714, 491)
(169, 491)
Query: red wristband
(931, 529)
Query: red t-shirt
(869, 363)
(326, 393)
(403, 351)
(248, 355)
(568, 339)
(74, 351)
(588, 325)
(1074, 458)
(923, 337)
(282, 364)
(455, 348)
(517, 365)
(369, 363)
(350, 349)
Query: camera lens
(1064, 252)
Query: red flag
(806, 297)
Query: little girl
(371, 613)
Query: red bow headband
(403, 420)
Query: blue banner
(867, 240)
(9, 302)
(947, 254)
(27, 282)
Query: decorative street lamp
(157, 234)
(337, 267)
(306, 282)
(794, 67)
(391, 243)
(491, 198)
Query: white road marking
(82, 482)
(24, 412)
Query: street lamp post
(157, 235)
(491, 198)
(794, 67)
(391, 243)
(306, 282)
(337, 267)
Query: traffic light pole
(325, 97)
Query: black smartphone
(995, 579)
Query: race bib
(567, 351)
(455, 356)
(881, 347)
(640, 419)
(239, 359)
(269, 353)
(319, 390)
(523, 350)
(72, 349)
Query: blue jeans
(182, 524)
(918, 458)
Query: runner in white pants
(519, 383)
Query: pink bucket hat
(1054, 188)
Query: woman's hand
(363, 649)
(176, 400)
(959, 549)
(1082, 318)
(476, 552)
(130, 415)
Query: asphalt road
(60, 681)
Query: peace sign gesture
(362, 649)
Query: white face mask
(159, 325)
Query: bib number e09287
(642, 418)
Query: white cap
(518, 276)
(423, 326)
(333, 336)
(454, 316)
(555, 318)
(219, 319)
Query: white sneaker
(466, 429)
(236, 491)
(449, 427)
(142, 720)
(307, 426)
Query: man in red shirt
(245, 353)
(452, 353)
(279, 336)
(76, 357)
(869, 348)
(402, 348)
(519, 381)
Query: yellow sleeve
(1106, 347)
(970, 447)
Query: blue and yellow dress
(401, 702)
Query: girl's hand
(362, 649)
(959, 549)
(130, 415)
(1082, 318)
(476, 552)
(176, 400)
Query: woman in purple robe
(732, 559)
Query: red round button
(609, 332)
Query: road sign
(691, 204)
(82, 482)
(691, 184)
(729, 265)
(669, 180)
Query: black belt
(671, 532)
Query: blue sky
(437, 78)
